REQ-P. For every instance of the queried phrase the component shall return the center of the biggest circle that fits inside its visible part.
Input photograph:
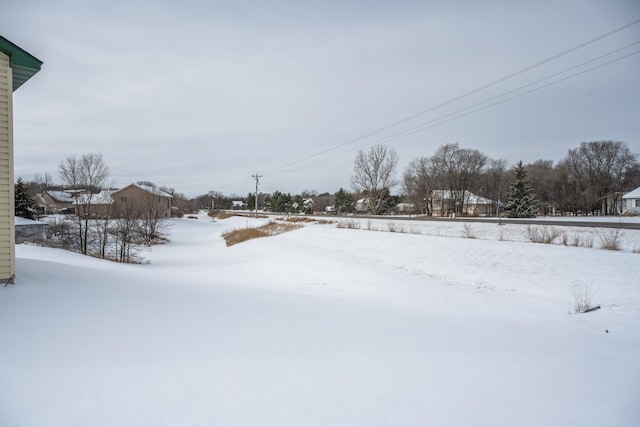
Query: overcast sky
(200, 95)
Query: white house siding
(7, 231)
(631, 201)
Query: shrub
(468, 231)
(610, 239)
(582, 295)
(395, 228)
(542, 234)
(348, 224)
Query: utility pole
(257, 177)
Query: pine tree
(343, 201)
(25, 205)
(522, 199)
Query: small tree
(85, 176)
(522, 200)
(25, 206)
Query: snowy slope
(322, 327)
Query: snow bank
(322, 326)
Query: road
(546, 221)
(613, 223)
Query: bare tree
(374, 174)
(542, 175)
(126, 239)
(418, 182)
(102, 221)
(600, 170)
(85, 177)
(42, 182)
(150, 209)
(456, 170)
(493, 183)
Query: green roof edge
(24, 64)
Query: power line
(456, 114)
(465, 95)
(285, 168)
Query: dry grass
(220, 214)
(582, 295)
(349, 223)
(227, 214)
(270, 229)
(395, 228)
(468, 231)
(610, 239)
(307, 220)
(542, 234)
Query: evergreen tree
(343, 201)
(25, 205)
(522, 199)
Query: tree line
(591, 179)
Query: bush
(468, 231)
(395, 228)
(582, 297)
(610, 239)
(542, 234)
(349, 224)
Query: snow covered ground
(326, 326)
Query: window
(123, 199)
(637, 203)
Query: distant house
(238, 204)
(405, 208)
(611, 204)
(362, 205)
(308, 204)
(631, 201)
(94, 205)
(141, 201)
(53, 202)
(443, 203)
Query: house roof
(469, 197)
(23, 64)
(60, 196)
(102, 198)
(149, 189)
(635, 194)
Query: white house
(472, 204)
(631, 201)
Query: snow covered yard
(324, 326)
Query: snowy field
(327, 326)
